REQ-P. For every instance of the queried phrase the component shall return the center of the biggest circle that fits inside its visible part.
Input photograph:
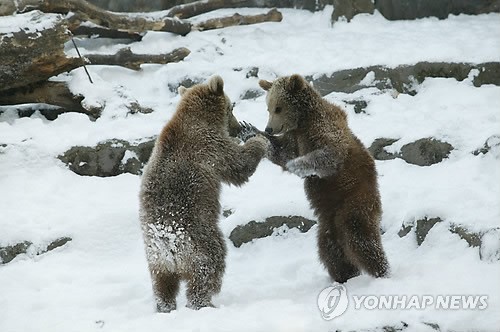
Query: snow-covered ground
(99, 281)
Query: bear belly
(325, 196)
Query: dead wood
(216, 23)
(83, 30)
(49, 93)
(88, 12)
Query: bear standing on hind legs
(179, 197)
(312, 140)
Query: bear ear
(296, 83)
(266, 85)
(216, 85)
(182, 90)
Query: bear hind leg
(165, 289)
(334, 258)
(365, 249)
(205, 280)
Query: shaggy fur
(179, 198)
(314, 142)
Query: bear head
(285, 99)
(208, 103)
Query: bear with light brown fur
(310, 137)
(179, 197)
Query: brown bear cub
(311, 139)
(179, 197)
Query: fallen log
(217, 23)
(125, 58)
(195, 8)
(31, 55)
(89, 12)
(88, 31)
(203, 6)
(49, 93)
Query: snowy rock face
(8, 253)
(412, 9)
(109, 158)
(423, 152)
(272, 225)
(403, 78)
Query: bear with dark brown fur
(310, 137)
(179, 197)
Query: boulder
(413, 9)
(403, 78)
(349, 8)
(255, 230)
(8, 253)
(377, 149)
(425, 152)
(108, 158)
(421, 226)
(422, 152)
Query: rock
(227, 212)
(8, 253)
(425, 152)
(403, 78)
(377, 149)
(490, 245)
(108, 158)
(253, 72)
(56, 244)
(134, 108)
(434, 326)
(255, 230)
(423, 226)
(252, 94)
(186, 82)
(350, 8)
(492, 143)
(472, 238)
(359, 105)
(412, 9)
(405, 230)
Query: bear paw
(296, 167)
(247, 131)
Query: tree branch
(216, 23)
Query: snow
(99, 281)
(30, 22)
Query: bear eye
(277, 110)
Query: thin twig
(84, 67)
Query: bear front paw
(297, 168)
(247, 131)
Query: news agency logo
(334, 300)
